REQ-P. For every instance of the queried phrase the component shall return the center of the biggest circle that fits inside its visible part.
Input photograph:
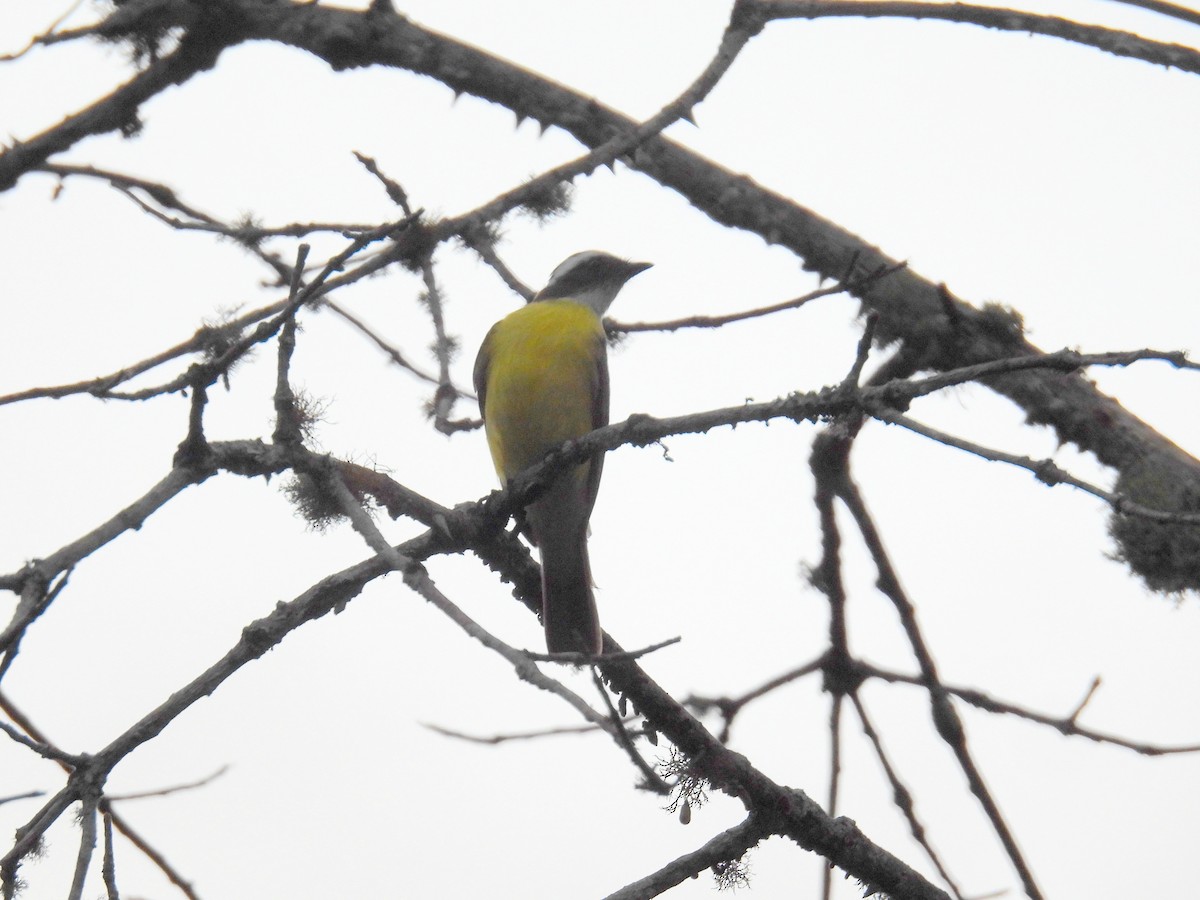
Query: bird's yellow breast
(544, 365)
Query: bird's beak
(637, 267)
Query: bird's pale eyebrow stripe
(582, 274)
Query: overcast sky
(1022, 170)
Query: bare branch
(488, 254)
(167, 791)
(1087, 698)
(87, 846)
(1046, 470)
(198, 50)
(583, 659)
(395, 355)
(1118, 43)
(46, 37)
(200, 342)
(110, 860)
(245, 233)
(835, 774)
(945, 717)
(1167, 9)
(792, 812)
(494, 739)
(729, 707)
(728, 846)
(287, 417)
(901, 795)
(443, 349)
(29, 835)
(1067, 725)
(28, 795)
(42, 749)
(1060, 360)
(164, 866)
(417, 579)
(652, 781)
(42, 572)
(718, 321)
(743, 25)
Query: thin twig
(945, 718)
(1066, 725)
(417, 579)
(1087, 698)
(901, 795)
(32, 731)
(862, 353)
(154, 855)
(130, 518)
(46, 36)
(1166, 9)
(167, 791)
(494, 739)
(652, 780)
(1046, 470)
(42, 749)
(87, 846)
(729, 707)
(1110, 40)
(395, 355)
(740, 30)
(446, 394)
(718, 321)
(28, 795)
(37, 594)
(583, 659)
(287, 418)
(109, 869)
(835, 775)
(487, 253)
(103, 386)
(728, 846)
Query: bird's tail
(568, 606)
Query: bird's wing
(482, 362)
(599, 415)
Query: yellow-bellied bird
(542, 379)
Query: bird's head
(591, 278)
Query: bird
(541, 376)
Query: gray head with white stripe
(591, 277)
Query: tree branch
(1118, 43)
(728, 846)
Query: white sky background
(1029, 171)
